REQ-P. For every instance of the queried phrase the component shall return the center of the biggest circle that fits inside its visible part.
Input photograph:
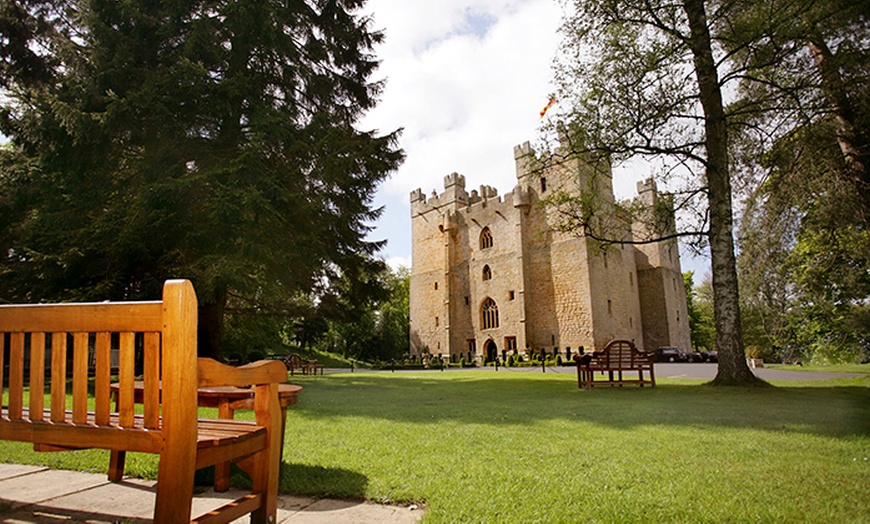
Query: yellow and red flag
(550, 104)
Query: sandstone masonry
(492, 276)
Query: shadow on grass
(313, 481)
(841, 409)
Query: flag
(550, 104)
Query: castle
(494, 276)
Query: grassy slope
(524, 447)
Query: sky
(466, 80)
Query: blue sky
(466, 80)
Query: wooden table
(227, 399)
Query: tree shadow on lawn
(313, 481)
(838, 410)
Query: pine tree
(210, 140)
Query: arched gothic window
(485, 238)
(487, 273)
(489, 314)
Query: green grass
(524, 447)
(830, 368)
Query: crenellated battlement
(524, 158)
(454, 179)
(647, 191)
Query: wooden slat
(211, 452)
(126, 371)
(2, 366)
(82, 436)
(232, 511)
(151, 380)
(212, 373)
(16, 375)
(58, 377)
(37, 374)
(80, 377)
(91, 317)
(102, 378)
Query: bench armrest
(213, 373)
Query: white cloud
(398, 262)
(466, 80)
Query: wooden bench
(617, 357)
(48, 337)
(307, 367)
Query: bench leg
(222, 469)
(174, 489)
(116, 465)
(266, 463)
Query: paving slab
(38, 495)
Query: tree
(214, 140)
(645, 81)
(800, 63)
(370, 322)
(804, 123)
(805, 258)
(701, 326)
(393, 321)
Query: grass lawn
(830, 368)
(479, 446)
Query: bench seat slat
(214, 433)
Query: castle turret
(454, 190)
(647, 191)
(524, 159)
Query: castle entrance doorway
(490, 350)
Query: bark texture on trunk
(210, 329)
(726, 300)
(853, 144)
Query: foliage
(700, 310)
(804, 70)
(645, 80)
(805, 255)
(211, 140)
(370, 323)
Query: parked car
(708, 356)
(671, 354)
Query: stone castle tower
(491, 275)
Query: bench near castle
(41, 411)
(620, 362)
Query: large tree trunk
(726, 300)
(210, 331)
(852, 142)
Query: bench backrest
(88, 336)
(622, 354)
